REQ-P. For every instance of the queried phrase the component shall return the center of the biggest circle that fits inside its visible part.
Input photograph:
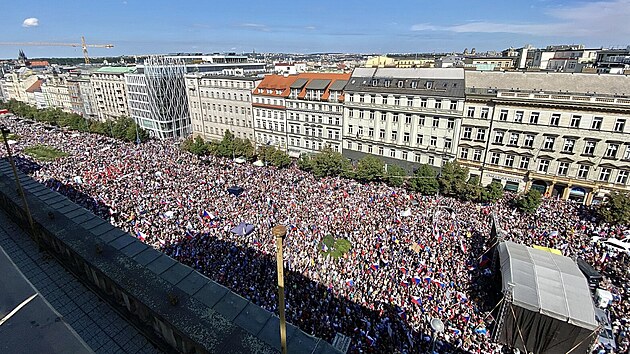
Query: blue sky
(158, 26)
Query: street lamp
(5, 131)
(280, 232)
(438, 327)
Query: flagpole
(280, 232)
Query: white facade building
(405, 116)
(219, 103)
(110, 92)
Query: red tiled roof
(36, 87)
(273, 83)
(39, 63)
(322, 76)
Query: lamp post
(438, 327)
(5, 131)
(280, 232)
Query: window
(397, 100)
(471, 112)
(509, 160)
(477, 155)
(392, 152)
(410, 101)
(369, 149)
(481, 134)
(372, 114)
(371, 132)
(484, 113)
(513, 139)
(361, 98)
(494, 159)
(448, 143)
(620, 124)
(450, 123)
(381, 134)
(622, 176)
(428, 85)
(383, 116)
(361, 114)
(419, 139)
(612, 150)
(589, 147)
(421, 120)
(453, 105)
(438, 104)
(359, 147)
(394, 135)
(463, 153)
(555, 119)
(431, 160)
(407, 118)
(583, 171)
(417, 157)
(388, 83)
(543, 166)
(626, 154)
(406, 138)
(503, 115)
(433, 141)
(404, 155)
(604, 174)
(423, 102)
(575, 121)
(533, 118)
(568, 145)
(436, 122)
(349, 129)
(401, 83)
(549, 141)
(518, 116)
(467, 133)
(372, 99)
(524, 163)
(395, 118)
(498, 137)
(563, 168)
(380, 150)
(597, 123)
(359, 130)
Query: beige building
(108, 84)
(566, 135)
(218, 103)
(315, 112)
(405, 116)
(15, 85)
(55, 90)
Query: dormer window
(374, 82)
(401, 84)
(414, 84)
(388, 83)
(428, 85)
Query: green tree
(369, 169)
(395, 175)
(452, 179)
(471, 190)
(274, 156)
(225, 148)
(243, 148)
(616, 209)
(492, 192)
(195, 146)
(329, 163)
(529, 201)
(305, 163)
(424, 180)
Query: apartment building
(315, 112)
(566, 135)
(110, 92)
(270, 110)
(406, 117)
(55, 90)
(218, 103)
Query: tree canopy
(529, 201)
(615, 209)
(425, 181)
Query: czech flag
(427, 279)
(403, 270)
(140, 235)
(417, 280)
(374, 266)
(404, 283)
(350, 282)
(416, 300)
(205, 214)
(484, 261)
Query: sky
(137, 27)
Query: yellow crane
(83, 46)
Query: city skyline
(136, 28)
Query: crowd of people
(413, 257)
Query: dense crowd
(413, 257)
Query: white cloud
(30, 22)
(601, 19)
(255, 26)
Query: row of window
(332, 133)
(221, 131)
(266, 100)
(226, 83)
(408, 101)
(315, 118)
(223, 120)
(268, 113)
(575, 121)
(391, 152)
(225, 96)
(408, 118)
(312, 145)
(315, 106)
(406, 136)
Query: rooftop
(116, 69)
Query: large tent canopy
(243, 229)
(549, 306)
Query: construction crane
(83, 46)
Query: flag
(484, 261)
(481, 331)
(455, 331)
(141, 236)
(416, 300)
(461, 296)
(403, 270)
(206, 215)
(466, 317)
(439, 283)
(427, 279)
(350, 282)
(417, 280)
(374, 266)
(404, 283)
(604, 257)
(189, 234)
(462, 246)
(402, 314)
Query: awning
(511, 187)
(577, 191)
